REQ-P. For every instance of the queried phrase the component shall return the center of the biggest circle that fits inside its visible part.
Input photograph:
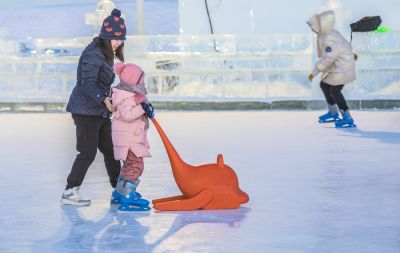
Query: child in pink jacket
(129, 135)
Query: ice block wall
(262, 67)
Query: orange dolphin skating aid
(208, 186)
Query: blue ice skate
(346, 122)
(328, 117)
(115, 195)
(131, 200)
(131, 204)
(115, 198)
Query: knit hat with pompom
(113, 27)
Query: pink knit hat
(132, 75)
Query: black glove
(148, 108)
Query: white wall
(52, 19)
(273, 16)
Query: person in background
(337, 65)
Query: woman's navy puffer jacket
(94, 78)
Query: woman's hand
(110, 107)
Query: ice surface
(312, 188)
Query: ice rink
(312, 188)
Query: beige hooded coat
(336, 58)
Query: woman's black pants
(92, 133)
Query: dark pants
(92, 132)
(333, 95)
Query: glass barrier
(262, 67)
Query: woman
(91, 107)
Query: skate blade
(74, 203)
(139, 203)
(346, 126)
(132, 208)
(328, 121)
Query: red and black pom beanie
(113, 27)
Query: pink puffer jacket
(336, 61)
(128, 126)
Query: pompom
(118, 68)
(116, 12)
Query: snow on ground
(312, 188)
